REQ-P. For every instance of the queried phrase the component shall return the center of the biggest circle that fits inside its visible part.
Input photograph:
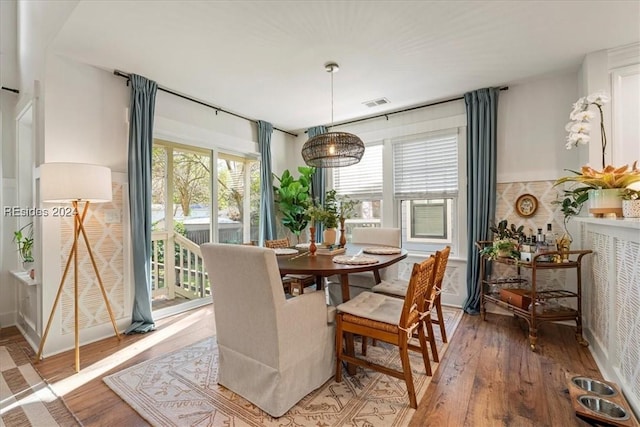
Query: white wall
(85, 110)
(86, 121)
(531, 136)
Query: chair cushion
(331, 315)
(392, 287)
(372, 306)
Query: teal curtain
(482, 119)
(318, 185)
(267, 209)
(142, 106)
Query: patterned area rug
(25, 398)
(180, 389)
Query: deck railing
(177, 267)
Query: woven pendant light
(332, 149)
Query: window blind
(426, 167)
(364, 179)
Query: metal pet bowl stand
(600, 401)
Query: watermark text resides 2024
(17, 211)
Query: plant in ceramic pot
(603, 187)
(293, 198)
(24, 239)
(631, 203)
(505, 231)
(501, 248)
(326, 214)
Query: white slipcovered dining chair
(272, 351)
(361, 282)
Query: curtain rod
(431, 104)
(11, 90)
(197, 101)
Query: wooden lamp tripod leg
(95, 268)
(73, 254)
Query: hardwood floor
(488, 377)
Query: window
(363, 182)
(421, 176)
(428, 219)
(425, 183)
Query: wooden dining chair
(398, 288)
(293, 283)
(391, 320)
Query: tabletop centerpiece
(603, 188)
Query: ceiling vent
(376, 102)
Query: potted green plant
(571, 205)
(505, 241)
(327, 215)
(346, 210)
(293, 197)
(501, 248)
(24, 239)
(601, 188)
(604, 188)
(505, 231)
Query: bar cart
(530, 303)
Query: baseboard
(7, 319)
(610, 372)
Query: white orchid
(582, 116)
(580, 105)
(598, 98)
(580, 128)
(576, 138)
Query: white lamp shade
(66, 182)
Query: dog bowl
(594, 386)
(604, 408)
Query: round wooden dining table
(322, 266)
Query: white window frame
(391, 209)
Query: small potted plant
(630, 203)
(505, 244)
(346, 210)
(504, 231)
(502, 248)
(327, 215)
(24, 239)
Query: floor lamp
(79, 184)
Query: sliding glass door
(183, 203)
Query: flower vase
(564, 246)
(605, 201)
(312, 239)
(343, 235)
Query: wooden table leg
(349, 344)
(319, 283)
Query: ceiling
(265, 60)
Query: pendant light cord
(332, 71)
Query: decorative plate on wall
(526, 205)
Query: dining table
(324, 265)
